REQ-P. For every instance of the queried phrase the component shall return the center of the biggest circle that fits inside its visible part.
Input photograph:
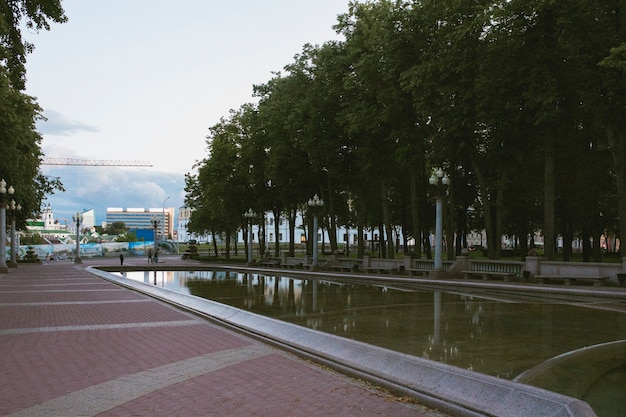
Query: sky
(143, 80)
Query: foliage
(521, 101)
(19, 140)
(127, 237)
(31, 239)
(31, 256)
(116, 228)
(36, 15)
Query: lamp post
(3, 225)
(155, 224)
(249, 215)
(78, 219)
(315, 203)
(440, 180)
(13, 210)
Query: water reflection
(497, 338)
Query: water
(473, 332)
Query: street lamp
(440, 180)
(155, 224)
(249, 215)
(78, 219)
(3, 225)
(13, 210)
(315, 203)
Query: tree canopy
(19, 140)
(521, 101)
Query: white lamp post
(78, 219)
(3, 225)
(315, 203)
(13, 209)
(440, 180)
(249, 215)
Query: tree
(36, 15)
(19, 140)
(116, 228)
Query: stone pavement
(72, 344)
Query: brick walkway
(72, 344)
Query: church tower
(48, 218)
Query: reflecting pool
(500, 338)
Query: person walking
(121, 259)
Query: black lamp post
(249, 215)
(78, 219)
(155, 224)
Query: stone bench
(345, 268)
(292, 265)
(271, 263)
(485, 275)
(597, 281)
(418, 271)
(377, 269)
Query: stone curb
(451, 389)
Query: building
(59, 230)
(184, 235)
(142, 219)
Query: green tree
(19, 140)
(116, 228)
(35, 15)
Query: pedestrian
(155, 259)
(150, 255)
(121, 259)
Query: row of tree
(522, 102)
(20, 143)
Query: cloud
(58, 125)
(100, 187)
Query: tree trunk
(586, 246)
(415, 215)
(386, 231)
(425, 236)
(227, 238)
(549, 228)
(276, 232)
(331, 222)
(597, 249)
(262, 239)
(291, 218)
(568, 238)
(490, 227)
(217, 254)
(617, 143)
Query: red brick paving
(44, 357)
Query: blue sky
(145, 79)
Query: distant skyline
(144, 80)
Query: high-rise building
(142, 219)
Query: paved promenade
(72, 344)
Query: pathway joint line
(174, 323)
(97, 399)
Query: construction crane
(94, 162)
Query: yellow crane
(94, 162)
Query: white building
(183, 235)
(343, 235)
